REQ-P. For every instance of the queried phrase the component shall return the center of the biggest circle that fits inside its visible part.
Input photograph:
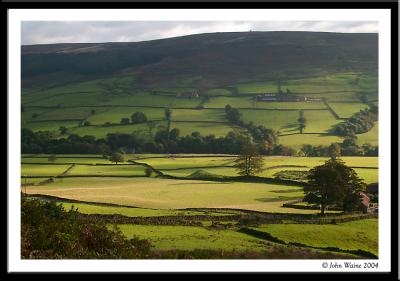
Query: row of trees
(171, 142)
(348, 147)
(359, 123)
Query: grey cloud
(45, 32)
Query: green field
(283, 121)
(370, 137)
(118, 97)
(187, 162)
(199, 115)
(290, 105)
(60, 159)
(204, 128)
(130, 212)
(173, 194)
(102, 131)
(319, 121)
(114, 115)
(334, 83)
(50, 125)
(108, 170)
(354, 235)
(32, 180)
(190, 238)
(42, 170)
(298, 140)
(346, 110)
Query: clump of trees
(124, 121)
(359, 123)
(116, 157)
(138, 118)
(334, 183)
(232, 114)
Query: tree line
(359, 123)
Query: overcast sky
(45, 32)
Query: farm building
(280, 97)
(188, 95)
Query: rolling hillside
(215, 59)
(101, 83)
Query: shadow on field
(213, 183)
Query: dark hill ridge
(217, 58)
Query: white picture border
(15, 16)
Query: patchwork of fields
(107, 101)
(185, 213)
(195, 201)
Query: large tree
(334, 183)
(249, 162)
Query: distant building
(280, 97)
(188, 95)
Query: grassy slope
(354, 235)
(130, 212)
(109, 170)
(189, 238)
(172, 194)
(42, 170)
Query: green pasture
(85, 208)
(159, 193)
(290, 105)
(204, 128)
(355, 235)
(218, 171)
(114, 115)
(190, 238)
(339, 82)
(283, 121)
(296, 141)
(78, 113)
(218, 92)
(67, 160)
(346, 110)
(368, 175)
(107, 170)
(319, 121)
(69, 99)
(371, 137)
(42, 170)
(144, 98)
(236, 102)
(199, 115)
(32, 180)
(102, 131)
(53, 126)
(187, 162)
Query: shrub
(50, 232)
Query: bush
(50, 232)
